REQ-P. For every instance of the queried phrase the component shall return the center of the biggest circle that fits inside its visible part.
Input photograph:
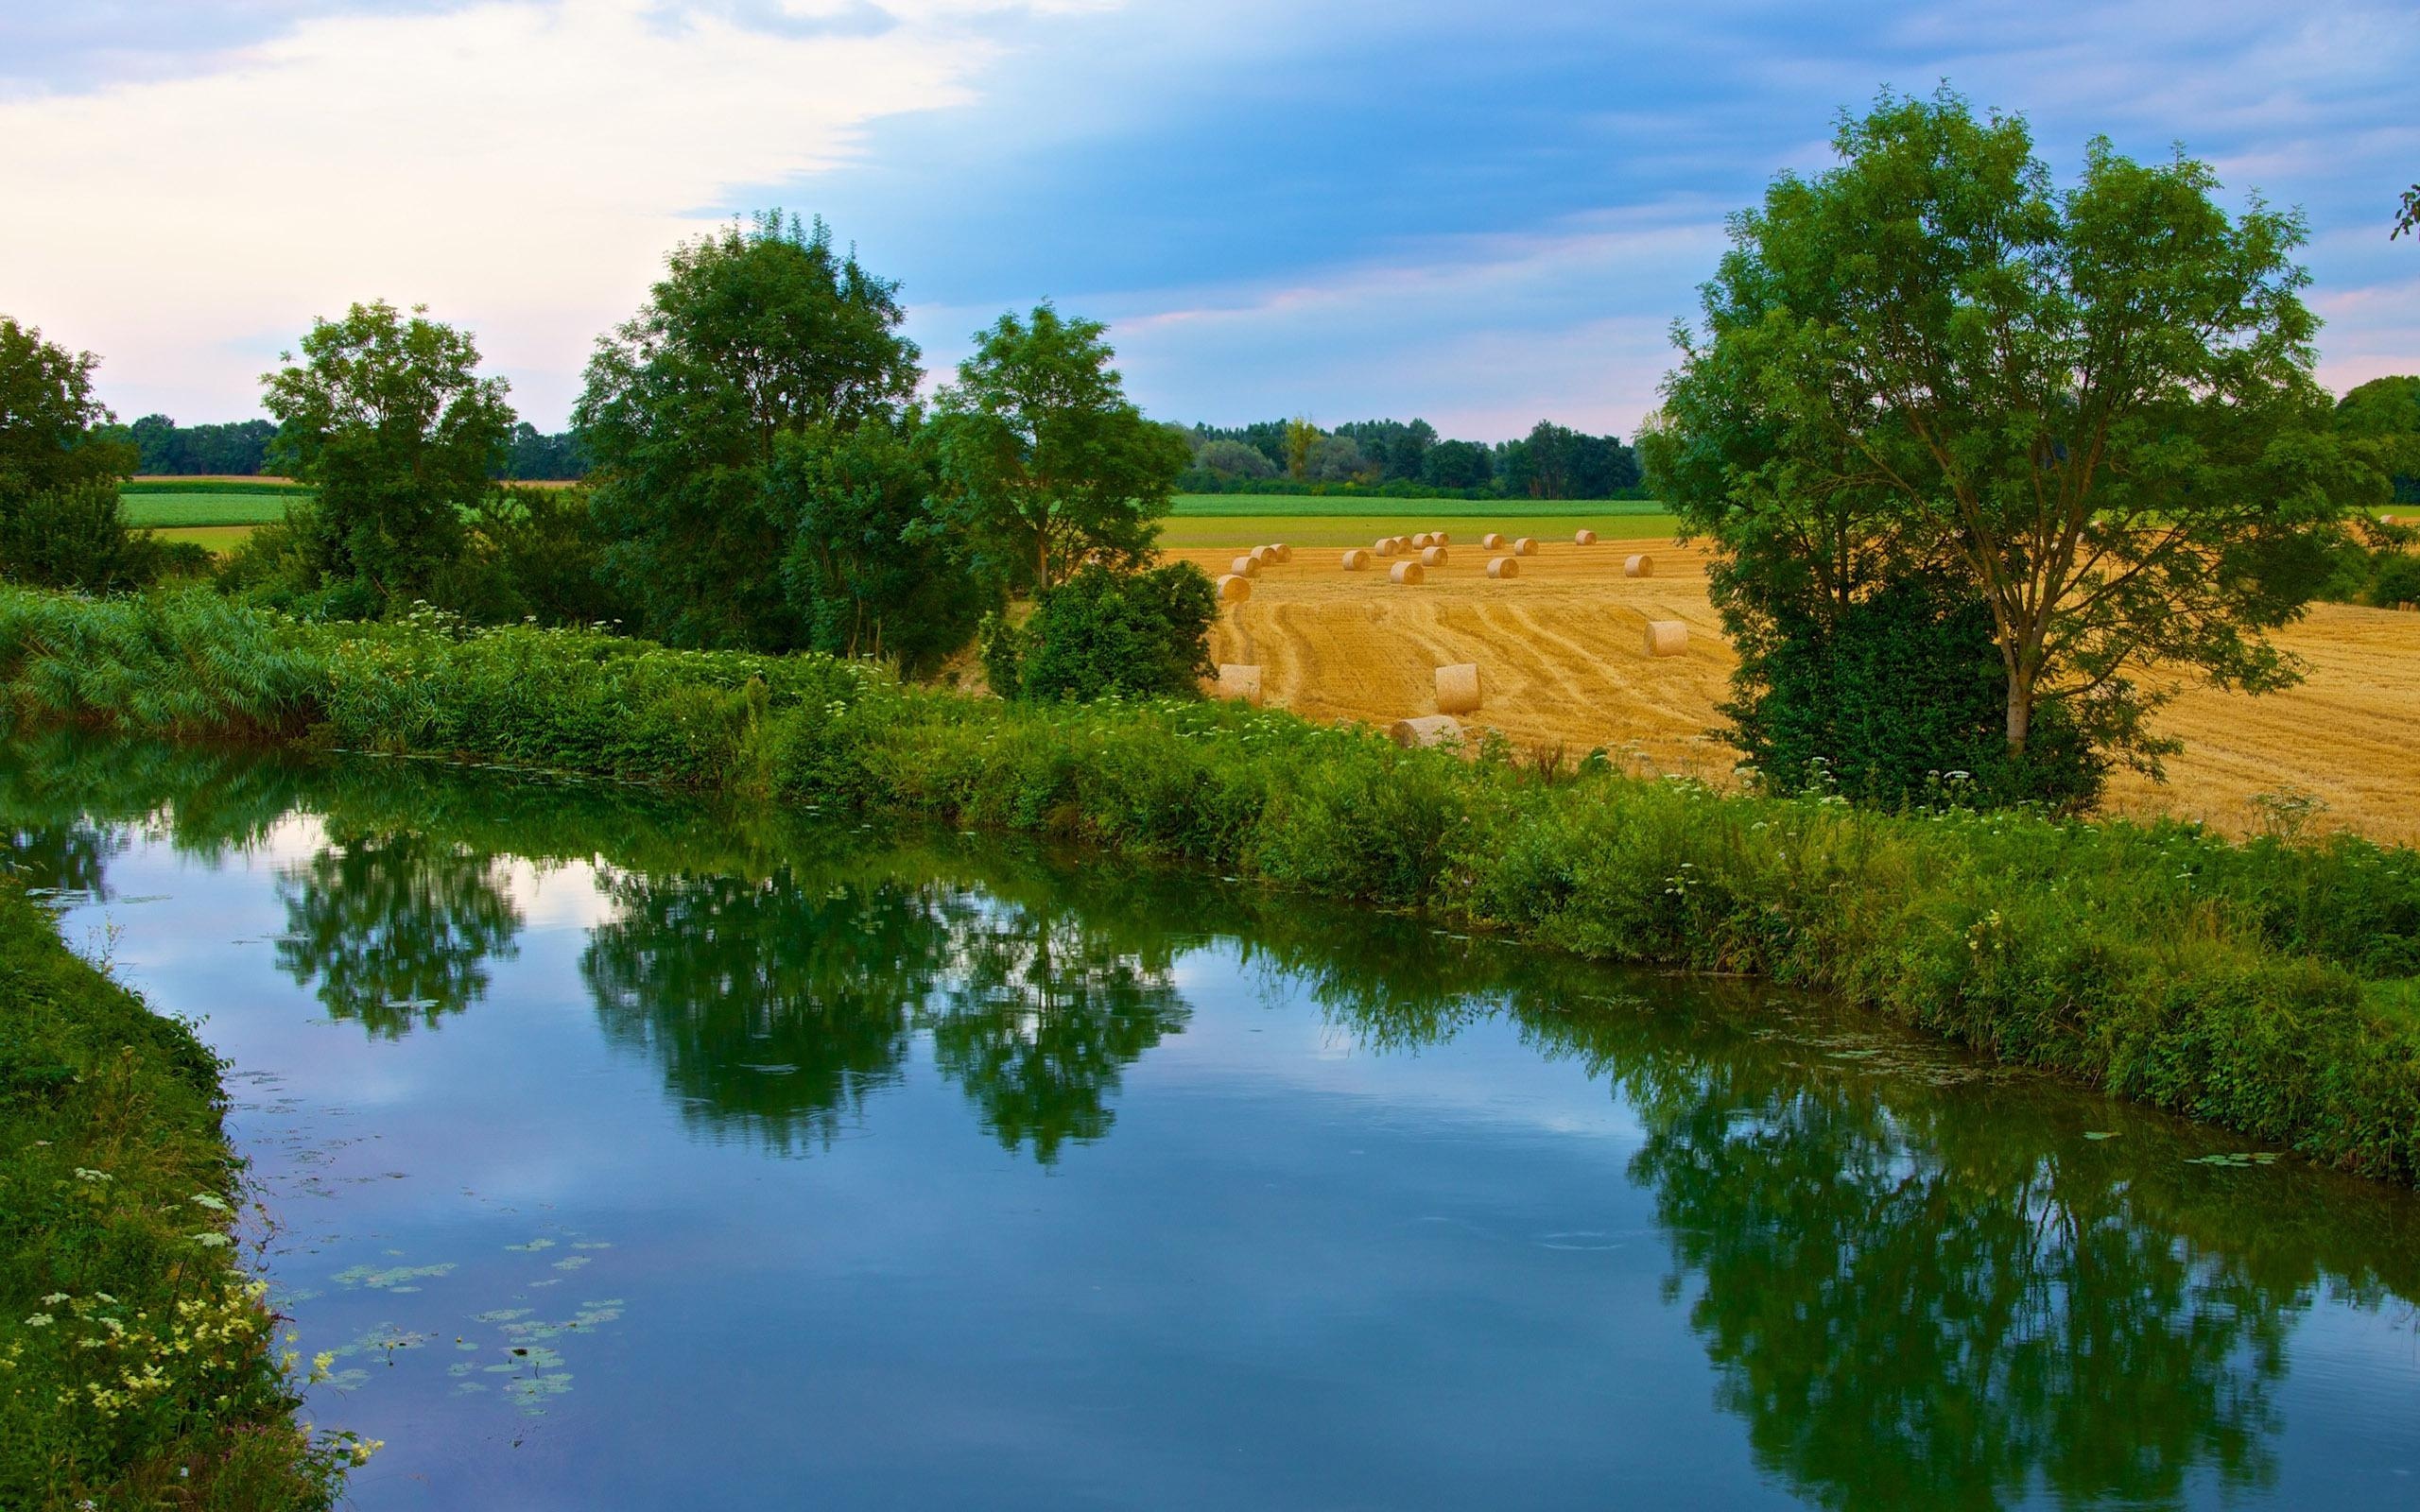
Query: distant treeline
(241, 449)
(1395, 457)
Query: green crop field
(161, 510)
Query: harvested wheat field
(1562, 648)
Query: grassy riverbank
(138, 1365)
(2266, 987)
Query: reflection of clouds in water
(561, 895)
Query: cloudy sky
(1485, 214)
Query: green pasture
(147, 510)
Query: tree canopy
(2092, 407)
(386, 415)
(758, 331)
(49, 418)
(1044, 460)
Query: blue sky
(1486, 215)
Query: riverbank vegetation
(139, 1365)
(2268, 987)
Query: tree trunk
(2021, 710)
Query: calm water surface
(639, 1154)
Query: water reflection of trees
(776, 1005)
(1915, 1308)
(1915, 1287)
(396, 928)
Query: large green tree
(2385, 413)
(49, 418)
(2093, 405)
(869, 571)
(387, 416)
(60, 522)
(758, 331)
(1044, 460)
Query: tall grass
(138, 1364)
(2265, 986)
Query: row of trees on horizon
(1404, 457)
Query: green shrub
(2395, 582)
(1900, 699)
(1109, 634)
(138, 1366)
(76, 535)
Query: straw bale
(1666, 637)
(1427, 730)
(1239, 682)
(1457, 690)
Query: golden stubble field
(1561, 652)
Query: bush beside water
(2264, 986)
(138, 1364)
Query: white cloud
(521, 168)
(1481, 334)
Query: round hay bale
(1427, 730)
(1404, 572)
(1503, 567)
(1441, 538)
(1492, 540)
(1639, 565)
(1385, 547)
(1234, 587)
(1245, 567)
(1433, 557)
(1525, 547)
(1264, 555)
(1666, 637)
(1356, 559)
(1420, 541)
(1239, 682)
(1284, 552)
(1457, 688)
(1583, 537)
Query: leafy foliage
(868, 571)
(49, 420)
(387, 417)
(755, 331)
(2094, 407)
(61, 521)
(77, 537)
(1043, 460)
(234, 448)
(1104, 634)
(1897, 700)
